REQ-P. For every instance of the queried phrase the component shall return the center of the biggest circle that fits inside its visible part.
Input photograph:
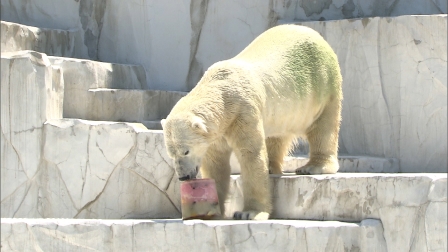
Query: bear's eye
(186, 153)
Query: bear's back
(299, 73)
(280, 42)
(298, 55)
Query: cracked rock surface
(31, 92)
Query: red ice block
(199, 199)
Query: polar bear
(284, 85)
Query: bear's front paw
(250, 215)
(301, 171)
(317, 169)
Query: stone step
(82, 75)
(191, 235)
(65, 43)
(350, 164)
(127, 105)
(411, 207)
(103, 91)
(346, 164)
(86, 74)
(346, 196)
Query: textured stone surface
(177, 235)
(395, 88)
(395, 84)
(107, 170)
(66, 43)
(31, 93)
(97, 170)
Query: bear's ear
(198, 123)
(163, 122)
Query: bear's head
(186, 143)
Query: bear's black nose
(184, 178)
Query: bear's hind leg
(277, 148)
(323, 141)
(216, 165)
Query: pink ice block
(199, 199)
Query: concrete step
(192, 235)
(127, 105)
(65, 43)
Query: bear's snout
(190, 176)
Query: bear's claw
(309, 170)
(329, 168)
(300, 171)
(250, 215)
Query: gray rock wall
(177, 41)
